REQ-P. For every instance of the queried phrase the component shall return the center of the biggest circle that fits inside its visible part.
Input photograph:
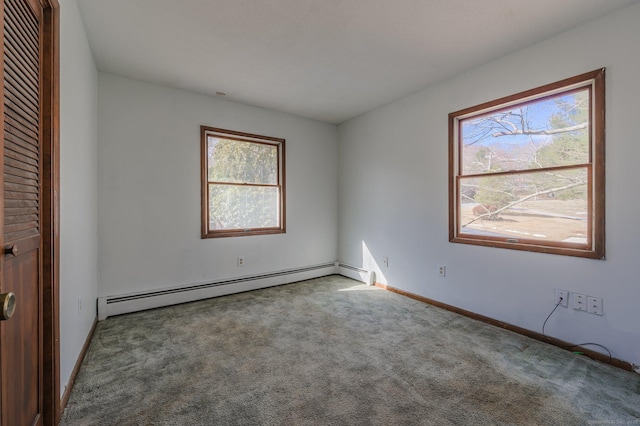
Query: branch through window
(526, 172)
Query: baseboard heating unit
(133, 302)
(356, 273)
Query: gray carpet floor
(332, 351)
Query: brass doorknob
(8, 304)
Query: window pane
(242, 207)
(242, 162)
(548, 206)
(545, 133)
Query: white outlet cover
(579, 302)
(442, 271)
(565, 298)
(594, 305)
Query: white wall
(78, 187)
(149, 190)
(393, 198)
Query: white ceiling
(329, 60)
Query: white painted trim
(133, 302)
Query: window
(243, 191)
(526, 172)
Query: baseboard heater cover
(356, 273)
(127, 303)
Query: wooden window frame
(205, 132)
(595, 246)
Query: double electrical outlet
(581, 302)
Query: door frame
(50, 219)
(50, 204)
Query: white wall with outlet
(149, 190)
(393, 195)
(78, 188)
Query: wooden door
(21, 263)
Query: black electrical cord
(549, 316)
(572, 346)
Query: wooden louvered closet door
(21, 264)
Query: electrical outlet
(442, 270)
(594, 305)
(562, 298)
(579, 302)
(240, 260)
(79, 305)
(385, 260)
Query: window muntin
(242, 184)
(527, 171)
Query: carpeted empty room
(209, 186)
(333, 351)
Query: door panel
(21, 404)
(21, 336)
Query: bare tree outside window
(527, 171)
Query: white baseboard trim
(356, 273)
(122, 304)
